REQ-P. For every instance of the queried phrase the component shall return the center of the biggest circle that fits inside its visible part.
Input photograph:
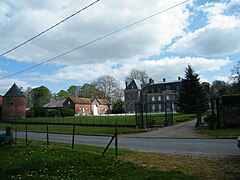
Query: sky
(203, 34)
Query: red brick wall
(79, 108)
(13, 107)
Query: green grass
(69, 129)
(101, 120)
(59, 162)
(129, 120)
(222, 133)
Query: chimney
(126, 84)
(164, 80)
(151, 81)
(179, 78)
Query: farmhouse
(84, 106)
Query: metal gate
(149, 114)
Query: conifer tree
(192, 96)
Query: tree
(62, 94)
(28, 94)
(118, 106)
(220, 88)
(140, 75)
(74, 91)
(236, 73)
(90, 91)
(109, 86)
(41, 96)
(236, 77)
(191, 92)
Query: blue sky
(204, 34)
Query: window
(69, 102)
(167, 97)
(153, 107)
(11, 103)
(159, 98)
(153, 98)
(167, 87)
(159, 107)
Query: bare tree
(109, 86)
(140, 75)
(236, 73)
(28, 93)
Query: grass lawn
(125, 120)
(60, 162)
(221, 133)
(78, 129)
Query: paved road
(216, 147)
(183, 130)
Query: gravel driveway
(183, 130)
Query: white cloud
(6, 84)
(144, 39)
(218, 38)
(169, 68)
(222, 78)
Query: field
(104, 121)
(84, 162)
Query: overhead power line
(34, 37)
(95, 40)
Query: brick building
(13, 104)
(154, 96)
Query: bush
(40, 112)
(210, 120)
(30, 113)
(54, 113)
(66, 112)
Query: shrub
(66, 112)
(30, 112)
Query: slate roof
(135, 84)
(55, 104)
(14, 91)
(162, 86)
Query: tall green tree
(192, 95)
(41, 96)
(90, 91)
(62, 94)
(118, 106)
(74, 91)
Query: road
(208, 147)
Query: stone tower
(13, 105)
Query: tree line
(107, 87)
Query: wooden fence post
(116, 141)
(26, 135)
(15, 133)
(47, 136)
(73, 136)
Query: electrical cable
(95, 40)
(34, 37)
